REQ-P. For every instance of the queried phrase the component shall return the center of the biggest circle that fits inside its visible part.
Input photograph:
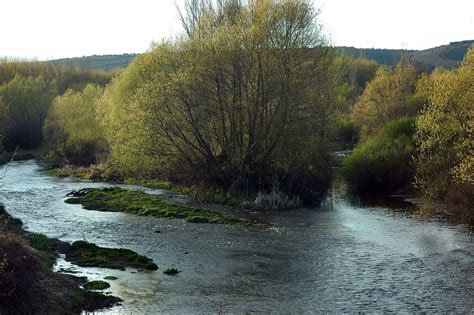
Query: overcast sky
(49, 29)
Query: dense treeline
(27, 90)
(250, 100)
(433, 154)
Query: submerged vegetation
(171, 271)
(138, 202)
(96, 285)
(87, 254)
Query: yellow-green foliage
(27, 89)
(226, 102)
(72, 132)
(64, 76)
(387, 97)
(445, 134)
(76, 113)
(127, 120)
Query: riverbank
(271, 200)
(17, 156)
(27, 283)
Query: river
(340, 257)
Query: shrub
(383, 162)
(71, 131)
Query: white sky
(49, 29)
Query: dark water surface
(340, 257)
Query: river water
(340, 257)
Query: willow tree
(240, 100)
(445, 135)
(389, 96)
(72, 133)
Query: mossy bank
(137, 202)
(27, 283)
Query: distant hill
(447, 56)
(104, 62)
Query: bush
(71, 131)
(383, 163)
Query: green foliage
(65, 77)
(39, 241)
(247, 84)
(390, 95)
(71, 131)
(444, 134)
(96, 285)
(26, 92)
(384, 162)
(28, 100)
(138, 202)
(87, 254)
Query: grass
(88, 173)
(137, 202)
(96, 285)
(171, 271)
(87, 254)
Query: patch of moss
(90, 301)
(39, 241)
(87, 254)
(110, 278)
(137, 202)
(96, 285)
(171, 271)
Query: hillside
(104, 62)
(447, 56)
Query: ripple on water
(344, 258)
